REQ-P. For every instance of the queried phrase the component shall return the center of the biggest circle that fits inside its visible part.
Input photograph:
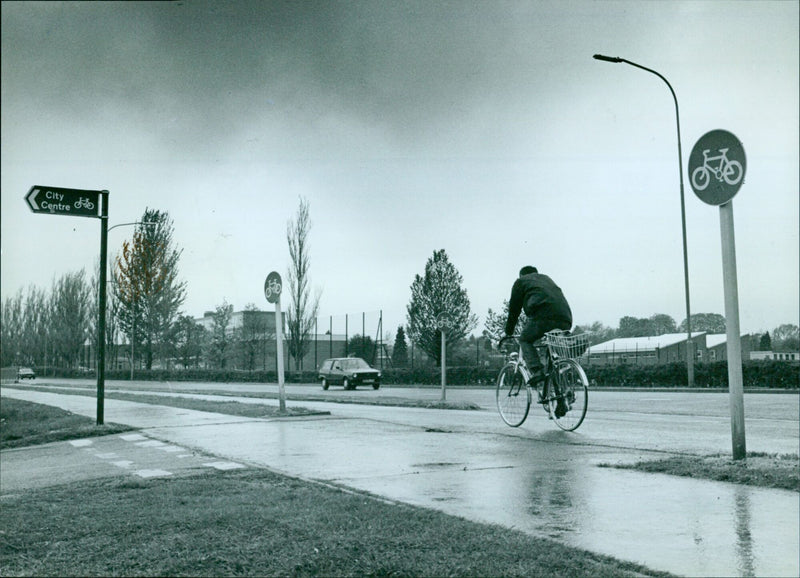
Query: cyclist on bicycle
(546, 308)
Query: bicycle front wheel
(572, 392)
(513, 395)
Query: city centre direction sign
(61, 201)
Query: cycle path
(547, 485)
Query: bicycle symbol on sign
(84, 203)
(272, 287)
(725, 169)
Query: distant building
(775, 355)
(717, 347)
(667, 348)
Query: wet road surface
(535, 478)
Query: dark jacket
(540, 298)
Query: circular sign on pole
(717, 166)
(272, 287)
(442, 322)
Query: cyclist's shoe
(537, 376)
(561, 407)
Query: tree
(188, 339)
(598, 333)
(251, 336)
(494, 328)
(766, 342)
(146, 283)
(662, 323)
(786, 337)
(303, 308)
(438, 292)
(11, 327)
(708, 322)
(220, 341)
(70, 316)
(362, 346)
(400, 349)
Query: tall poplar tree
(303, 308)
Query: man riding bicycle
(546, 308)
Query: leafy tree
(494, 328)
(439, 291)
(400, 349)
(362, 346)
(70, 316)
(303, 308)
(220, 341)
(188, 339)
(708, 322)
(146, 283)
(766, 342)
(598, 333)
(786, 337)
(662, 323)
(251, 336)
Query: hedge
(755, 374)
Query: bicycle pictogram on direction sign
(728, 170)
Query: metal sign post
(272, 291)
(82, 203)
(716, 168)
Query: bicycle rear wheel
(513, 395)
(572, 387)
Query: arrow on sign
(61, 201)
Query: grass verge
(251, 522)
(23, 423)
(259, 523)
(759, 469)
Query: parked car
(349, 372)
(25, 373)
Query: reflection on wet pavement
(540, 486)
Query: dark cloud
(190, 70)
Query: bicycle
(729, 171)
(564, 381)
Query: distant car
(349, 372)
(25, 373)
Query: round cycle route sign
(273, 287)
(717, 166)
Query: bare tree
(303, 307)
(71, 316)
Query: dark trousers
(533, 331)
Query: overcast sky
(482, 128)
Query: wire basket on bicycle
(566, 346)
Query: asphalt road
(535, 478)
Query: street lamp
(689, 343)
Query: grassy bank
(253, 522)
(759, 469)
(24, 424)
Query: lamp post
(689, 343)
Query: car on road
(349, 372)
(25, 373)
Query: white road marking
(132, 437)
(152, 473)
(126, 464)
(107, 456)
(81, 443)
